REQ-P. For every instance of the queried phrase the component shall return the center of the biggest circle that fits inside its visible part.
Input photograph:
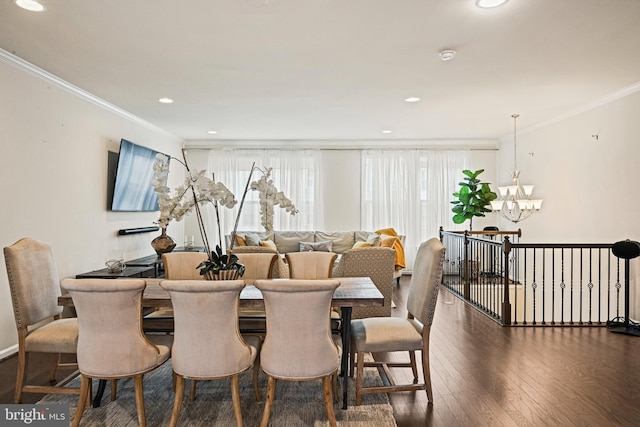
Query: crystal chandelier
(515, 203)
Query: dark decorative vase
(163, 244)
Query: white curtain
(294, 172)
(410, 190)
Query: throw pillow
(252, 239)
(362, 245)
(316, 246)
(269, 244)
(374, 239)
(240, 240)
(387, 241)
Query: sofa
(331, 241)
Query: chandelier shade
(515, 202)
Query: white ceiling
(339, 70)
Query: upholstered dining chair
(390, 334)
(177, 266)
(111, 343)
(279, 270)
(35, 287)
(208, 344)
(182, 265)
(311, 265)
(377, 263)
(257, 265)
(298, 345)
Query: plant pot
(223, 275)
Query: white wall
(53, 167)
(589, 185)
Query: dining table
(352, 292)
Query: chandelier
(515, 203)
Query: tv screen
(132, 191)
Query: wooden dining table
(352, 292)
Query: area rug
(295, 404)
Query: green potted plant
(472, 199)
(221, 266)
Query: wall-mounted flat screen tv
(132, 191)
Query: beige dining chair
(298, 345)
(257, 266)
(177, 266)
(279, 270)
(207, 341)
(390, 334)
(183, 265)
(377, 263)
(311, 265)
(35, 288)
(111, 343)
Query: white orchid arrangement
(269, 197)
(197, 189)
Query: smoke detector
(447, 54)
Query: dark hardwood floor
(487, 375)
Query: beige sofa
(290, 241)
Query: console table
(148, 266)
(128, 272)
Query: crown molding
(607, 99)
(29, 68)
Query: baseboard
(8, 352)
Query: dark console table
(148, 266)
(128, 272)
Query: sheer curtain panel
(294, 172)
(411, 191)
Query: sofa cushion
(362, 245)
(316, 246)
(342, 240)
(268, 244)
(289, 241)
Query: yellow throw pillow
(268, 244)
(387, 241)
(240, 241)
(362, 245)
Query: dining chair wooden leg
(414, 367)
(177, 402)
(235, 395)
(139, 389)
(55, 360)
(359, 375)
(271, 391)
(114, 389)
(426, 370)
(83, 398)
(256, 389)
(192, 390)
(328, 400)
(21, 376)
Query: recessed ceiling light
(212, 132)
(31, 5)
(412, 99)
(488, 4)
(165, 100)
(386, 131)
(447, 54)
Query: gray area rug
(295, 404)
